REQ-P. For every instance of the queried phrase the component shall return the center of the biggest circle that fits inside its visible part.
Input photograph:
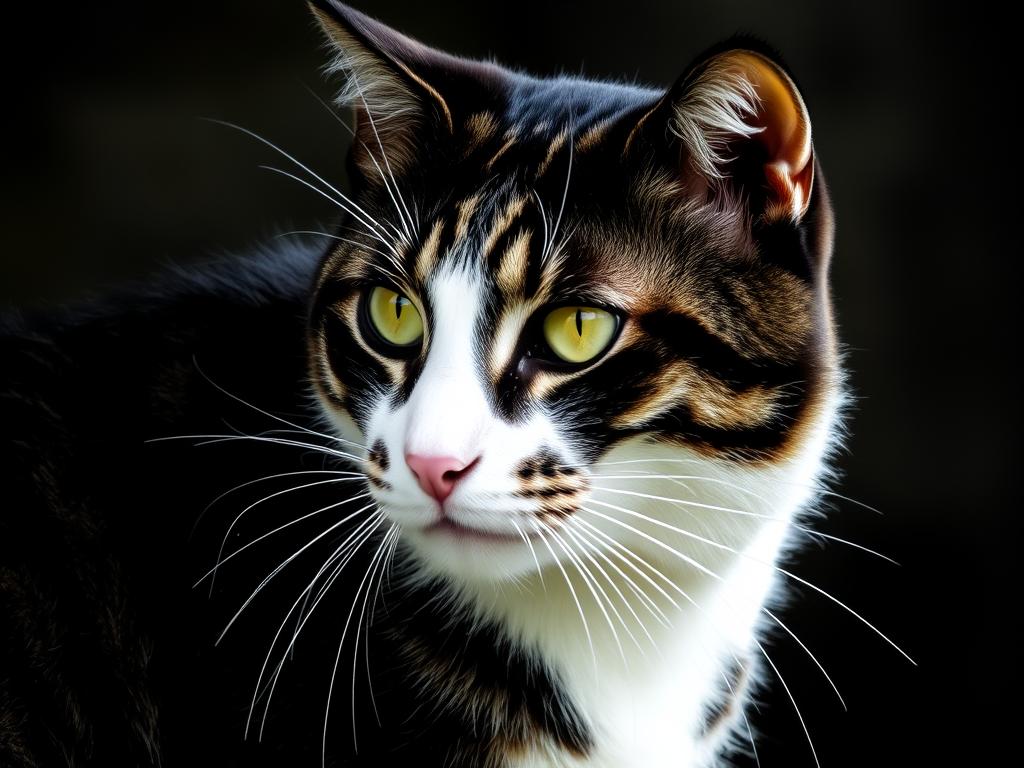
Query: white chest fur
(642, 671)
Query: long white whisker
(657, 542)
(341, 644)
(807, 650)
(369, 220)
(741, 512)
(270, 415)
(287, 174)
(670, 500)
(634, 587)
(618, 549)
(266, 478)
(221, 560)
(373, 159)
(533, 552)
(585, 548)
(213, 439)
(591, 583)
(565, 191)
(344, 552)
(378, 575)
(385, 569)
(333, 237)
(792, 699)
(369, 114)
(817, 488)
(727, 548)
(284, 564)
(568, 582)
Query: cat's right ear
(742, 130)
(405, 95)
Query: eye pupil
(578, 333)
(394, 318)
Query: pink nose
(437, 475)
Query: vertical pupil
(579, 322)
(398, 307)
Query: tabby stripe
(426, 258)
(502, 224)
(593, 136)
(510, 141)
(556, 144)
(466, 209)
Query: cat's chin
(474, 554)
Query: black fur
(107, 653)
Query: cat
(549, 406)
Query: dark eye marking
(687, 338)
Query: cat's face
(547, 286)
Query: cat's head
(547, 289)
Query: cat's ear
(404, 94)
(744, 127)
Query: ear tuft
(718, 109)
(391, 99)
(740, 107)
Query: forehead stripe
(466, 209)
(502, 223)
(426, 259)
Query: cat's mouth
(448, 527)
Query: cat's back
(92, 512)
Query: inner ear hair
(742, 120)
(389, 98)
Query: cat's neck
(644, 652)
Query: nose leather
(437, 475)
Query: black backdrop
(109, 173)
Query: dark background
(109, 174)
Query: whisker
(591, 582)
(644, 597)
(214, 439)
(731, 550)
(303, 182)
(617, 548)
(368, 220)
(384, 571)
(212, 573)
(377, 574)
(533, 552)
(744, 513)
(266, 478)
(270, 415)
(792, 699)
(565, 191)
(285, 563)
(344, 552)
(586, 627)
(583, 543)
(341, 644)
(811, 487)
(807, 650)
(380, 172)
(384, 155)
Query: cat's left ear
(743, 124)
(405, 95)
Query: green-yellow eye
(579, 334)
(394, 317)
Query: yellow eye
(394, 317)
(579, 334)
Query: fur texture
(593, 590)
